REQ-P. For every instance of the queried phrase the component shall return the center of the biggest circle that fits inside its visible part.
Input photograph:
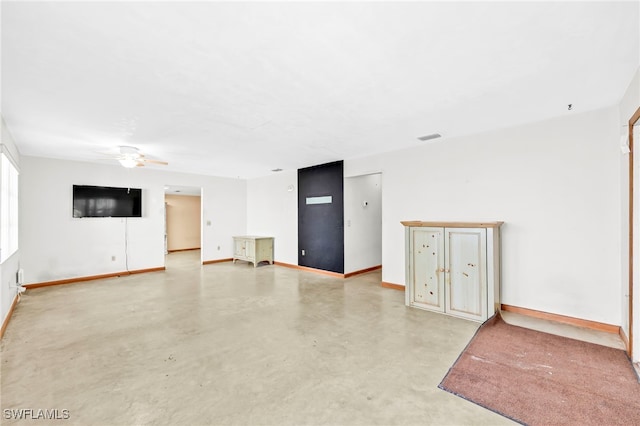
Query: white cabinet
(453, 267)
(253, 249)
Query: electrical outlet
(113, 258)
(218, 248)
(303, 253)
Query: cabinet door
(238, 248)
(466, 272)
(250, 250)
(428, 265)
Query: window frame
(9, 205)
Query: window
(8, 208)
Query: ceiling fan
(130, 157)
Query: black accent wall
(321, 226)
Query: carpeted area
(541, 379)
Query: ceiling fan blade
(130, 154)
(146, 160)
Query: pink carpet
(537, 378)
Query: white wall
(272, 210)
(555, 184)
(362, 225)
(56, 246)
(10, 266)
(224, 205)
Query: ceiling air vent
(429, 137)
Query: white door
(466, 277)
(428, 271)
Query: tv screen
(104, 201)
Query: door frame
(635, 118)
(193, 190)
(351, 199)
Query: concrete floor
(232, 344)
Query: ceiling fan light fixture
(131, 157)
(129, 163)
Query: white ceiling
(237, 89)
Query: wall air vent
(429, 137)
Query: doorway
(183, 226)
(363, 223)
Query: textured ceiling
(237, 89)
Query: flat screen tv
(105, 201)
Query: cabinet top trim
(251, 237)
(417, 223)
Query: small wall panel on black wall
(321, 217)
